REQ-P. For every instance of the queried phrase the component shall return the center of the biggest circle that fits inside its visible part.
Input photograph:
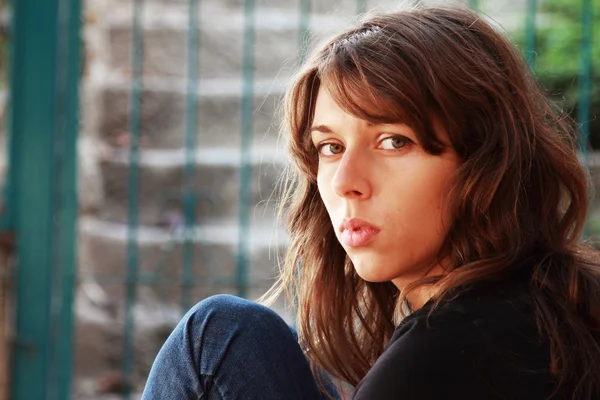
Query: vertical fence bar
(530, 26)
(43, 130)
(34, 272)
(66, 207)
(245, 162)
(585, 76)
(133, 196)
(190, 200)
(304, 30)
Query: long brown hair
(518, 206)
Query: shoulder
(425, 359)
(482, 344)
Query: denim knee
(227, 347)
(223, 308)
(223, 303)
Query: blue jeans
(228, 348)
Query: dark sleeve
(426, 364)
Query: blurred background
(139, 161)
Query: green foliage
(558, 55)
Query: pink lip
(357, 233)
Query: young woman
(435, 212)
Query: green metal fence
(41, 200)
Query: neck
(421, 295)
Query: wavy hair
(519, 203)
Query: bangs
(377, 93)
(354, 94)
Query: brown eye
(330, 149)
(394, 143)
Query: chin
(371, 274)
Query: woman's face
(385, 195)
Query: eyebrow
(321, 128)
(326, 129)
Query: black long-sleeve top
(481, 345)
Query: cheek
(443, 199)
(443, 212)
(424, 211)
(324, 187)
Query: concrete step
(221, 40)
(163, 115)
(216, 184)
(103, 253)
(103, 265)
(340, 7)
(221, 27)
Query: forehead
(328, 114)
(328, 105)
(325, 105)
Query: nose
(351, 179)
